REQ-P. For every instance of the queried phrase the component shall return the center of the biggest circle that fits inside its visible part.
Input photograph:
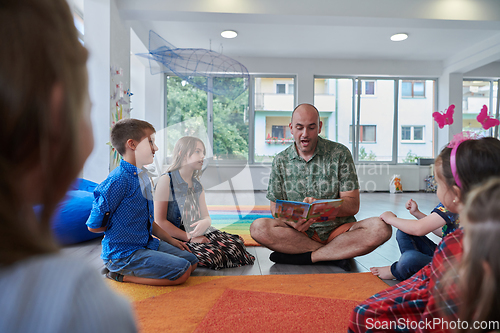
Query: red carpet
(251, 311)
(236, 303)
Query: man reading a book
(314, 168)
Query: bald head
(305, 128)
(306, 108)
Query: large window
(221, 122)
(274, 100)
(372, 137)
(378, 111)
(477, 93)
(415, 118)
(333, 99)
(234, 130)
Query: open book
(322, 210)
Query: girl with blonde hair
(479, 271)
(181, 210)
(47, 136)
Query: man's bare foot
(382, 272)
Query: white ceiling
(328, 29)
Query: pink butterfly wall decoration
(486, 121)
(445, 118)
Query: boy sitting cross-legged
(123, 210)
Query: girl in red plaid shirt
(415, 305)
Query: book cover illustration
(323, 210)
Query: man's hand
(310, 200)
(301, 225)
(387, 216)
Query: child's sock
(104, 271)
(291, 259)
(115, 276)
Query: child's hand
(200, 227)
(412, 206)
(386, 216)
(179, 244)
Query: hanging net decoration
(205, 69)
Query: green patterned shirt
(330, 171)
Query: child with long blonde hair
(477, 278)
(181, 210)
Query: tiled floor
(372, 204)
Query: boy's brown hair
(127, 129)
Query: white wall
(108, 41)
(97, 41)
(491, 70)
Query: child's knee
(183, 278)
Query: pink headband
(455, 142)
(453, 164)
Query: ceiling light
(399, 37)
(229, 34)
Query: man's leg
(363, 237)
(278, 236)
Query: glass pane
(333, 98)
(475, 95)
(230, 121)
(406, 89)
(273, 109)
(405, 133)
(290, 88)
(280, 88)
(417, 113)
(418, 133)
(418, 89)
(369, 133)
(186, 113)
(377, 114)
(369, 87)
(279, 131)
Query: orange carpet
(262, 303)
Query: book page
(325, 210)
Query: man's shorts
(169, 262)
(340, 230)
